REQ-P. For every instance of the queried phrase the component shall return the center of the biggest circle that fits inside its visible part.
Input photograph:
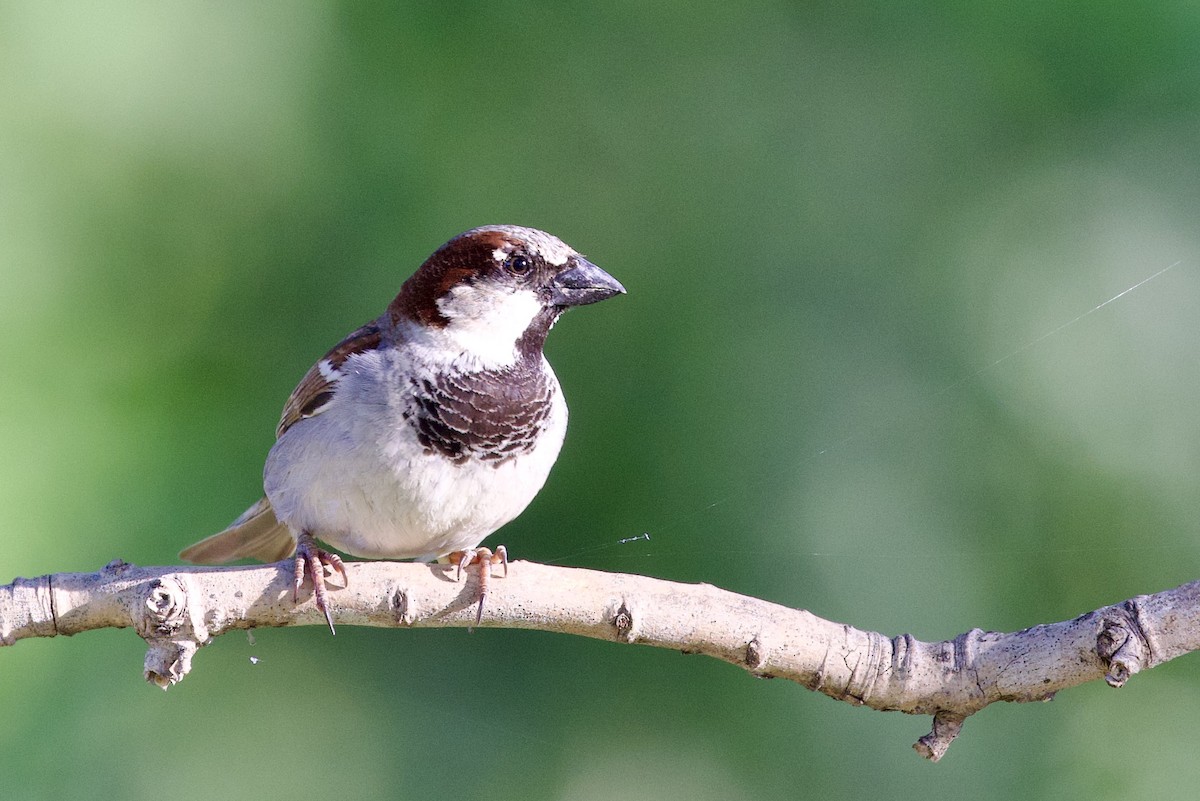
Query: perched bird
(428, 428)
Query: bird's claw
(311, 561)
(485, 559)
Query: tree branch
(179, 609)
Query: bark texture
(177, 610)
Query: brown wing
(258, 533)
(315, 390)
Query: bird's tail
(257, 534)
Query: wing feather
(258, 533)
(315, 391)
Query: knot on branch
(756, 657)
(166, 608)
(172, 632)
(116, 567)
(401, 602)
(625, 623)
(1120, 644)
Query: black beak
(583, 283)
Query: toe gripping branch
(311, 561)
(485, 559)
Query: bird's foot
(485, 559)
(312, 560)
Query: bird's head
(493, 293)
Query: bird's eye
(518, 264)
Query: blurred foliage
(863, 368)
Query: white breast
(355, 476)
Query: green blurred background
(847, 230)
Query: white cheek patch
(485, 320)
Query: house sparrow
(428, 428)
